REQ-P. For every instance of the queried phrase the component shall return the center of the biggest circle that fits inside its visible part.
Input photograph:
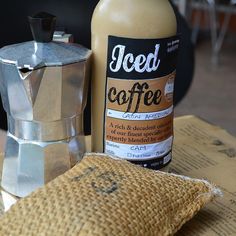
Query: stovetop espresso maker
(43, 85)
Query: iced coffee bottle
(135, 48)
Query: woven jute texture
(106, 197)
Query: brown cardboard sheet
(208, 152)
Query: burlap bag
(106, 197)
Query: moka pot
(43, 85)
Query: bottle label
(139, 99)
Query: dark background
(74, 16)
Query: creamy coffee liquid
(135, 50)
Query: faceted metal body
(29, 165)
(45, 131)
